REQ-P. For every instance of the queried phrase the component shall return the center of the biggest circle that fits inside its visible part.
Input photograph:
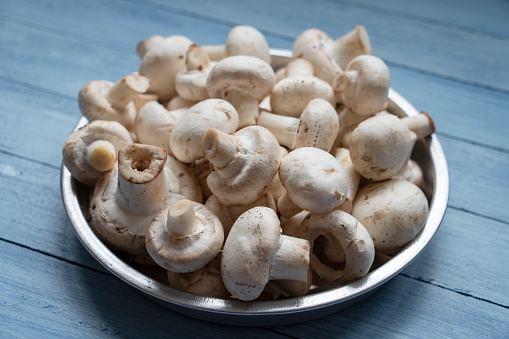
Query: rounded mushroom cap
(248, 252)
(247, 40)
(319, 126)
(314, 180)
(162, 62)
(185, 139)
(184, 253)
(291, 95)
(364, 86)
(241, 73)
(341, 247)
(76, 148)
(189, 186)
(379, 146)
(393, 212)
(153, 125)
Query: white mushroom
(148, 43)
(343, 157)
(341, 247)
(104, 100)
(255, 253)
(162, 62)
(127, 198)
(393, 212)
(186, 136)
(93, 149)
(184, 237)
(314, 181)
(177, 102)
(191, 83)
(243, 81)
(317, 126)
(189, 186)
(244, 163)
(154, 124)
(364, 85)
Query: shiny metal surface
(322, 301)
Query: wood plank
(47, 297)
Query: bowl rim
(261, 312)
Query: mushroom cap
(186, 253)
(243, 73)
(153, 125)
(248, 252)
(291, 95)
(254, 167)
(185, 139)
(247, 40)
(393, 212)
(379, 146)
(319, 126)
(189, 186)
(370, 89)
(341, 247)
(162, 62)
(313, 179)
(94, 104)
(75, 148)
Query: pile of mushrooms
(246, 182)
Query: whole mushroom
(154, 124)
(191, 83)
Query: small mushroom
(162, 62)
(393, 211)
(244, 81)
(364, 85)
(184, 237)
(244, 163)
(247, 40)
(154, 124)
(127, 198)
(92, 150)
(317, 126)
(341, 247)
(412, 172)
(255, 252)
(104, 100)
(314, 181)
(185, 139)
(191, 83)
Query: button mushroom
(393, 212)
(317, 126)
(184, 237)
(154, 124)
(244, 163)
(314, 181)
(104, 100)
(191, 83)
(341, 247)
(92, 150)
(127, 198)
(244, 81)
(255, 252)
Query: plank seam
(36, 87)
(29, 159)
(461, 209)
(453, 290)
(472, 142)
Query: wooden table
(448, 57)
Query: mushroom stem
(246, 105)
(216, 52)
(101, 155)
(283, 127)
(181, 220)
(291, 260)
(343, 157)
(286, 207)
(219, 148)
(197, 58)
(422, 124)
(346, 83)
(126, 89)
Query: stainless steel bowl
(322, 301)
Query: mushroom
(148, 43)
(154, 124)
(177, 102)
(104, 100)
(162, 62)
(189, 186)
(317, 126)
(412, 172)
(380, 146)
(127, 198)
(185, 139)
(191, 83)
(364, 85)
(347, 123)
(295, 67)
(184, 237)
(92, 150)
(244, 81)
(201, 169)
(393, 212)
(314, 181)
(244, 163)
(343, 157)
(341, 248)
(255, 252)
(289, 288)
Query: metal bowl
(321, 301)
